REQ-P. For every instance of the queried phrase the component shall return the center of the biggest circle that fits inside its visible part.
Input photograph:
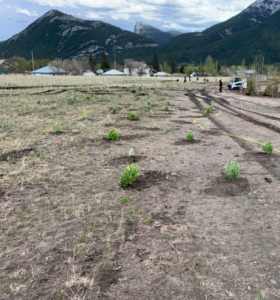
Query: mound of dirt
(224, 187)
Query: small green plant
(148, 103)
(131, 152)
(113, 135)
(125, 200)
(85, 116)
(189, 135)
(187, 120)
(147, 221)
(71, 100)
(114, 110)
(168, 102)
(155, 126)
(88, 97)
(268, 147)
(234, 170)
(133, 116)
(57, 128)
(120, 96)
(204, 113)
(162, 98)
(130, 175)
(133, 91)
(38, 153)
(209, 109)
(166, 107)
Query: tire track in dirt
(267, 163)
(226, 104)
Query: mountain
(239, 37)
(174, 32)
(59, 35)
(155, 34)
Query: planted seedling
(133, 116)
(113, 135)
(148, 103)
(88, 97)
(114, 110)
(131, 152)
(166, 107)
(130, 175)
(204, 113)
(57, 128)
(189, 135)
(234, 170)
(85, 116)
(168, 103)
(71, 100)
(155, 126)
(268, 147)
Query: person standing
(189, 77)
(185, 79)
(221, 86)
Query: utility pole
(32, 59)
(115, 61)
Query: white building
(137, 69)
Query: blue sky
(182, 15)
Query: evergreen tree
(182, 69)
(92, 63)
(156, 62)
(1, 55)
(164, 58)
(218, 66)
(173, 65)
(104, 63)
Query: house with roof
(49, 71)
(6, 67)
(137, 69)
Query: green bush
(189, 135)
(209, 109)
(233, 172)
(133, 116)
(113, 135)
(268, 147)
(88, 97)
(57, 128)
(129, 176)
(166, 107)
(114, 110)
(251, 89)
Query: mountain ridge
(59, 35)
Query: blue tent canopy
(49, 71)
(99, 71)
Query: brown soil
(125, 160)
(224, 187)
(15, 155)
(185, 142)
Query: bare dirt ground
(182, 231)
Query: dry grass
(68, 231)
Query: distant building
(49, 71)
(162, 74)
(137, 69)
(89, 73)
(113, 73)
(6, 67)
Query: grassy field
(183, 230)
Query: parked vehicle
(237, 83)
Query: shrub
(88, 97)
(155, 126)
(133, 116)
(268, 147)
(233, 172)
(113, 135)
(129, 176)
(189, 135)
(209, 109)
(251, 89)
(57, 128)
(85, 116)
(166, 107)
(114, 110)
(71, 100)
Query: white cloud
(181, 14)
(26, 12)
